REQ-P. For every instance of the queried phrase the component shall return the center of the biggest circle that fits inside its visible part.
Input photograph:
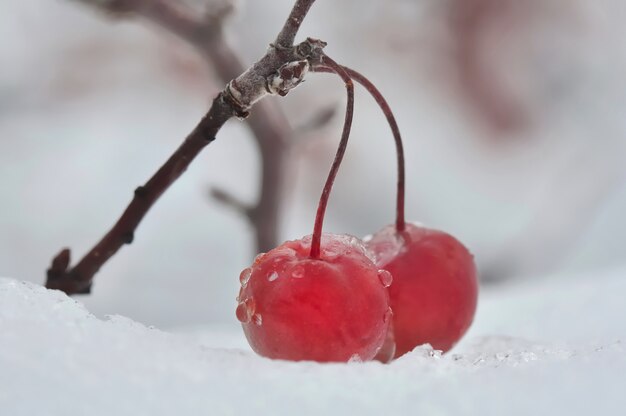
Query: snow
(558, 350)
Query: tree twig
(277, 72)
(287, 35)
(78, 279)
(268, 124)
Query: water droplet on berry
(385, 277)
(297, 272)
(258, 257)
(242, 313)
(245, 310)
(388, 315)
(257, 319)
(355, 358)
(272, 276)
(244, 277)
(367, 238)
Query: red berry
(434, 290)
(331, 308)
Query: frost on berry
(330, 308)
(336, 245)
(388, 245)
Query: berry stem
(343, 143)
(386, 109)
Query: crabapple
(434, 291)
(320, 298)
(331, 308)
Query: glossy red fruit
(434, 291)
(333, 308)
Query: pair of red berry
(330, 297)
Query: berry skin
(331, 308)
(434, 291)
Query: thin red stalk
(288, 33)
(341, 150)
(386, 109)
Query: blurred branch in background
(472, 24)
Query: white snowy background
(90, 107)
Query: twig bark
(268, 123)
(277, 72)
(78, 279)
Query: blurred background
(512, 114)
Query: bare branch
(78, 279)
(269, 125)
(278, 68)
(287, 35)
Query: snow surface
(559, 351)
